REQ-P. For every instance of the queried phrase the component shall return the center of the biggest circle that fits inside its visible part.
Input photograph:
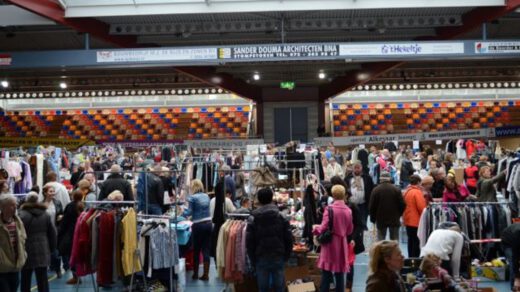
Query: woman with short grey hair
(12, 244)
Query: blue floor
(214, 285)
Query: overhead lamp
(63, 85)
(256, 76)
(5, 83)
(362, 76)
(322, 75)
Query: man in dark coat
(511, 244)
(360, 185)
(407, 169)
(386, 207)
(41, 240)
(438, 175)
(116, 182)
(269, 243)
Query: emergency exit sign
(287, 85)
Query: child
(431, 268)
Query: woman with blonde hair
(486, 190)
(386, 260)
(333, 260)
(198, 209)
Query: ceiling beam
(98, 29)
(226, 81)
(472, 20)
(53, 11)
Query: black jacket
(386, 205)
(438, 189)
(116, 182)
(367, 182)
(66, 228)
(511, 236)
(357, 234)
(41, 235)
(268, 235)
(406, 170)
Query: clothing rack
(234, 216)
(136, 252)
(469, 203)
(169, 218)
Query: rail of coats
(129, 124)
(388, 118)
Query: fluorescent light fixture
(363, 76)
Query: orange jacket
(415, 204)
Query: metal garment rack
(487, 240)
(468, 203)
(136, 252)
(169, 218)
(232, 216)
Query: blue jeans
(154, 209)
(513, 264)
(270, 271)
(327, 278)
(201, 235)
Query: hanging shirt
(129, 238)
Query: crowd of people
(389, 188)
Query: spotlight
(362, 76)
(63, 85)
(256, 76)
(322, 75)
(5, 83)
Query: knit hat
(385, 176)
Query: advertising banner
(155, 55)
(279, 51)
(426, 136)
(504, 47)
(35, 141)
(223, 143)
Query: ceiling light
(322, 75)
(5, 83)
(363, 76)
(256, 76)
(216, 79)
(63, 85)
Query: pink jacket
(334, 255)
(449, 196)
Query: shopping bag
(262, 176)
(181, 272)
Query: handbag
(262, 176)
(326, 236)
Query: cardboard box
(295, 273)
(316, 279)
(489, 273)
(304, 287)
(459, 175)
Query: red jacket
(471, 174)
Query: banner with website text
(11, 142)
(426, 136)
